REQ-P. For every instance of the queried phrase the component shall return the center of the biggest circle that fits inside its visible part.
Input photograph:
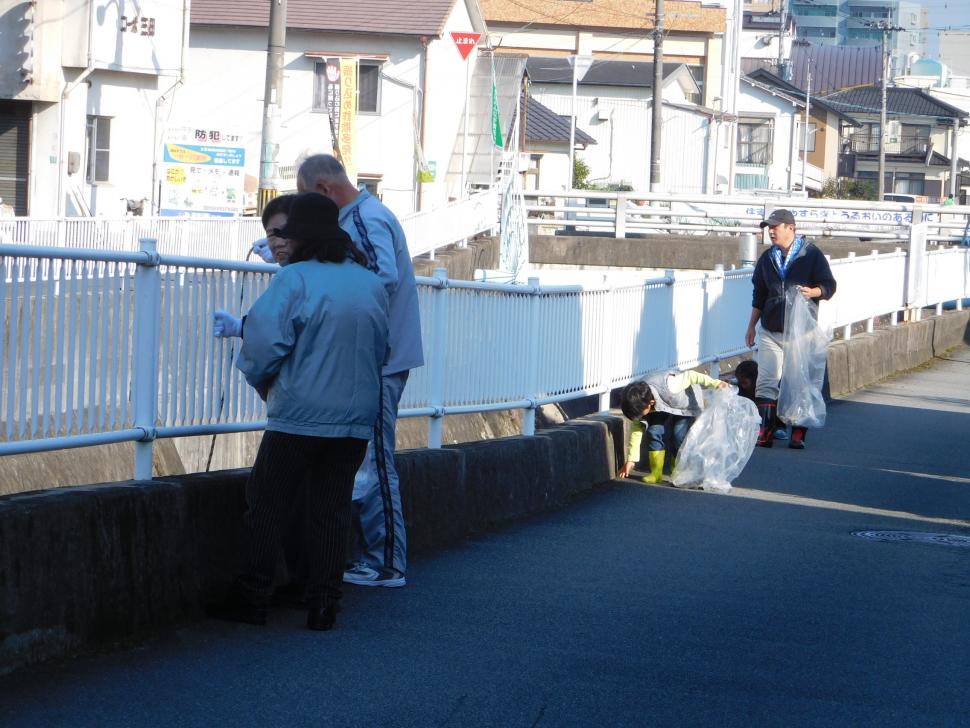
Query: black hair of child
(747, 369)
(636, 397)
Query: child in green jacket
(664, 404)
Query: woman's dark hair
(636, 397)
(276, 206)
(311, 225)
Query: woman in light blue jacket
(313, 347)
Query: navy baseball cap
(779, 217)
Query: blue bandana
(782, 262)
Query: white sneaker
(366, 575)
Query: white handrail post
(144, 384)
(916, 265)
(532, 365)
(847, 330)
(607, 326)
(436, 376)
(713, 290)
(620, 223)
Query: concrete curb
(88, 566)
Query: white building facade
(102, 85)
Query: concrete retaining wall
(87, 566)
(668, 251)
(866, 358)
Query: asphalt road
(636, 606)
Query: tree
(580, 174)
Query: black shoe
(321, 619)
(234, 607)
(797, 441)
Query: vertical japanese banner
(348, 115)
(333, 99)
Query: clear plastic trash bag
(806, 348)
(719, 443)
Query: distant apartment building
(857, 23)
(762, 6)
(955, 51)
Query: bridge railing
(621, 214)
(108, 346)
(230, 238)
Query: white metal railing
(621, 214)
(429, 230)
(230, 238)
(99, 347)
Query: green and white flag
(496, 117)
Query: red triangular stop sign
(465, 42)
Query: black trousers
(294, 474)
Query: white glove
(261, 248)
(224, 325)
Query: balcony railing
(901, 144)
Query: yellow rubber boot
(656, 460)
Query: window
(754, 142)
(812, 131)
(697, 73)
(912, 183)
(371, 183)
(805, 9)
(368, 86)
(98, 147)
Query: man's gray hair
(321, 166)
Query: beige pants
(771, 358)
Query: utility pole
(658, 77)
(882, 113)
(781, 37)
(808, 110)
(886, 30)
(272, 101)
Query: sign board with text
(465, 42)
(203, 173)
(138, 37)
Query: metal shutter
(14, 153)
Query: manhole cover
(937, 539)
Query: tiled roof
(600, 73)
(542, 124)
(766, 76)
(899, 101)
(834, 67)
(391, 17)
(682, 15)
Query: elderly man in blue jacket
(379, 556)
(790, 261)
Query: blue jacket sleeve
(272, 325)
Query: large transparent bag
(719, 443)
(806, 345)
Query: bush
(847, 188)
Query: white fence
(230, 238)
(622, 214)
(100, 347)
